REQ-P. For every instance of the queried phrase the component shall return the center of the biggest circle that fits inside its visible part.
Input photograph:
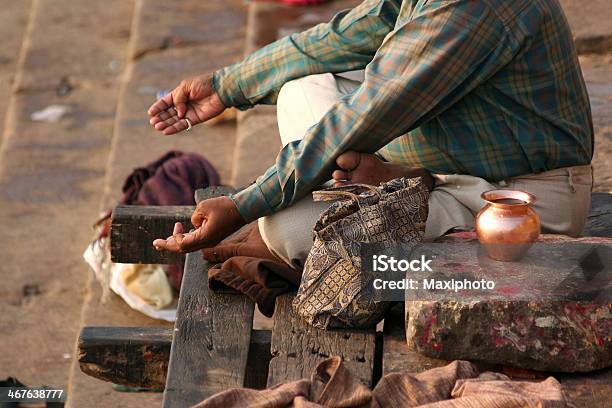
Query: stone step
(597, 71)
(590, 23)
(14, 24)
(51, 174)
(169, 41)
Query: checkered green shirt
(489, 88)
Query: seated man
(479, 93)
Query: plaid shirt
(489, 88)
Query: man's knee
(310, 87)
(288, 93)
(302, 102)
(294, 108)
(288, 233)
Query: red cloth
(170, 180)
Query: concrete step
(170, 41)
(51, 174)
(590, 22)
(597, 71)
(14, 23)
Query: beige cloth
(457, 385)
(149, 283)
(563, 196)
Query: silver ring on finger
(188, 124)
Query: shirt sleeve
(423, 67)
(347, 42)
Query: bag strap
(337, 193)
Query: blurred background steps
(71, 54)
(591, 23)
(169, 41)
(14, 23)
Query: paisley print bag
(334, 290)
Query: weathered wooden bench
(214, 347)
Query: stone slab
(590, 390)
(512, 325)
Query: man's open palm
(194, 99)
(214, 220)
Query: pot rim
(491, 196)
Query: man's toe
(339, 175)
(349, 160)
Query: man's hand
(214, 219)
(194, 99)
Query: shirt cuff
(251, 203)
(226, 84)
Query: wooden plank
(256, 375)
(212, 335)
(202, 194)
(134, 227)
(138, 356)
(298, 348)
(132, 356)
(211, 339)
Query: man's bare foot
(369, 169)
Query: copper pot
(507, 226)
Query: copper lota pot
(506, 226)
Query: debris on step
(50, 114)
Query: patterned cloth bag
(335, 291)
